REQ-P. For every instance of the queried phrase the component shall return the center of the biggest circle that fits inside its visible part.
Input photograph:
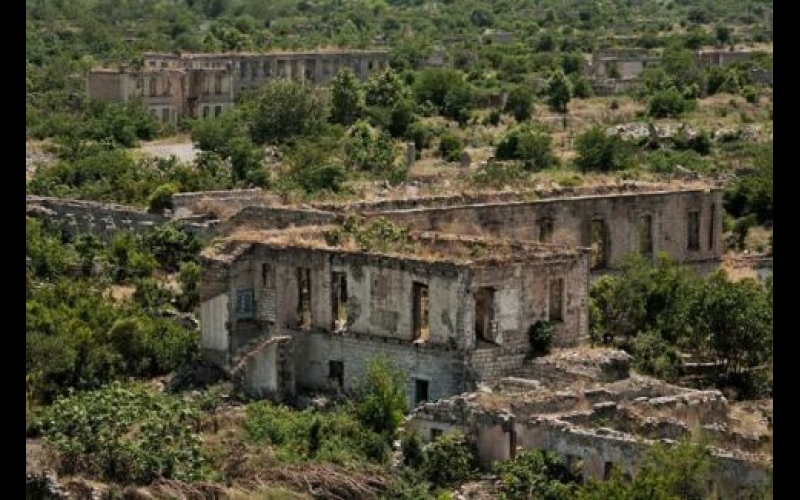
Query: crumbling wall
(440, 366)
(263, 217)
(571, 220)
(233, 199)
(100, 219)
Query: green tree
(520, 103)
(450, 147)
(558, 91)
(530, 144)
(161, 199)
(537, 474)
(285, 109)
(447, 90)
(669, 103)
(386, 90)
(448, 460)
(666, 473)
(382, 400)
(600, 152)
(347, 98)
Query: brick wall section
(234, 198)
(260, 217)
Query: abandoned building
(297, 310)
(205, 85)
(685, 222)
(624, 64)
(584, 405)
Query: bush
(161, 199)
(519, 103)
(450, 147)
(537, 474)
(750, 94)
(540, 336)
(126, 434)
(652, 355)
(497, 175)
(412, 450)
(599, 152)
(448, 460)
(669, 103)
(382, 400)
(328, 177)
(530, 144)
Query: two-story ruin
(205, 85)
(453, 308)
(297, 309)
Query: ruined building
(585, 406)
(453, 309)
(205, 85)
(295, 310)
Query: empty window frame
(206, 110)
(646, 235)
(165, 115)
(556, 299)
(420, 312)
(339, 300)
(304, 297)
(218, 84)
(545, 230)
(336, 373)
(693, 230)
(217, 111)
(153, 86)
(485, 324)
(245, 304)
(598, 242)
(711, 225)
(420, 390)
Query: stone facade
(429, 313)
(205, 85)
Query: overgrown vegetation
(660, 309)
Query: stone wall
(233, 199)
(100, 219)
(442, 368)
(263, 217)
(572, 221)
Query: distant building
(205, 85)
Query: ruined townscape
(317, 259)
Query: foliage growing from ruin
(600, 152)
(540, 337)
(448, 460)
(347, 98)
(713, 318)
(126, 434)
(381, 395)
(537, 474)
(666, 472)
(285, 109)
(379, 235)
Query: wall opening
(266, 276)
(420, 391)
(245, 304)
(711, 225)
(598, 242)
(646, 235)
(556, 300)
(217, 111)
(336, 373)
(608, 469)
(435, 433)
(165, 115)
(545, 230)
(339, 301)
(693, 230)
(153, 87)
(218, 84)
(421, 323)
(485, 324)
(205, 111)
(304, 297)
